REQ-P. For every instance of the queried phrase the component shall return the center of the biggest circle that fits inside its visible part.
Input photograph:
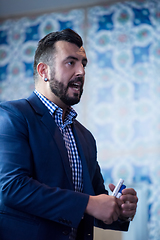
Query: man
(50, 181)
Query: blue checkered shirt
(66, 131)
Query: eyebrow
(76, 59)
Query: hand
(129, 205)
(104, 207)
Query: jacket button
(65, 232)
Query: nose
(80, 71)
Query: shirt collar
(53, 108)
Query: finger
(129, 191)
(129, 206)
(112, 219)
(128, 213)
(119, 201)
(129, 198)
(115, 216)
(108, 222)
(125, 213)
(111, 187)
(118, 207)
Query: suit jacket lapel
(50, 124)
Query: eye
(71, 63)
(84, 64)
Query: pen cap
(121, 188)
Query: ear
(42, 70)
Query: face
(66, 77)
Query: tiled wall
(121, 102)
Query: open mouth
(75, 85)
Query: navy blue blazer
(37, 198)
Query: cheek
(64, 74)
(65, 77)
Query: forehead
(64, 49)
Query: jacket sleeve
(87, 145)
(99, 188)
(19, 189)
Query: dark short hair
(46, 48)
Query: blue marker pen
(120, 191)
(117, 188)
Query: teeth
(76, 85)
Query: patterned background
(121, 100)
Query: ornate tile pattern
(121, 100)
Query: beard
(60, 90)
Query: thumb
(111, 187)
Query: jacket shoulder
(16, 110)
(23, 106)
(13, 107)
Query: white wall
(15, 8)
